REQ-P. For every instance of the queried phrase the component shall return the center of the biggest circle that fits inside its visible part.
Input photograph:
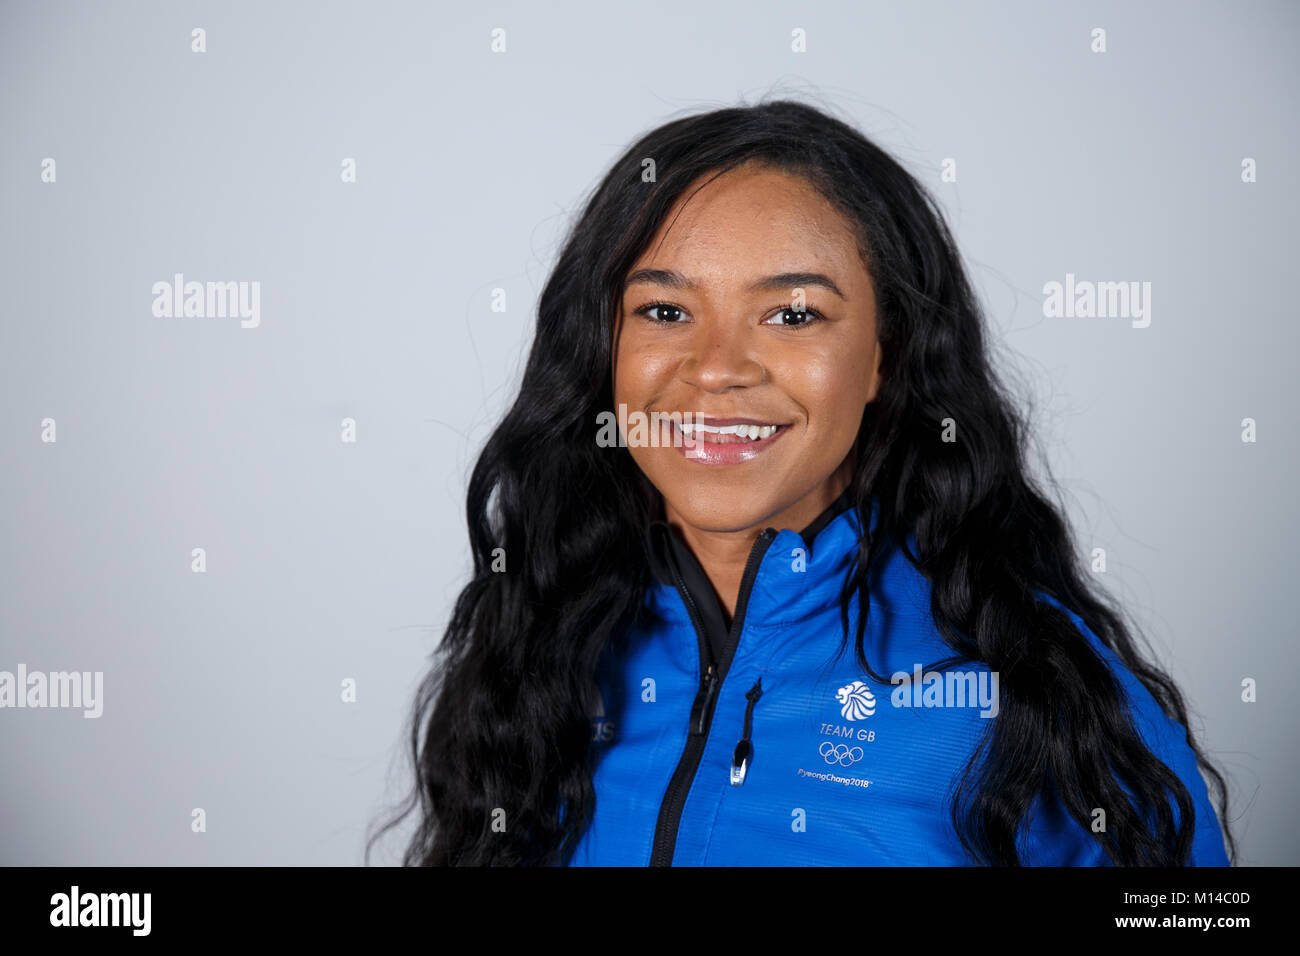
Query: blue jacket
(749, 747)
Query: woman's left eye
(806, 317)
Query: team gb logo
(856, 700)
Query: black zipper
(744, 750)
(712, 674)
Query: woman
(648, 665)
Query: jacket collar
(799, 575)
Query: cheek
(832, 385)
(640, 373)
(643, 379)
(624, 372)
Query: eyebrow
(772, 283)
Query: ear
(877, 379)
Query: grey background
(328, 560)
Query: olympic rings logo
(840, 754)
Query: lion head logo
(856, 701)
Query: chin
(715, 509)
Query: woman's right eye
(668, 314)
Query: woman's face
(734, 342)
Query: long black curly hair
(566, 517)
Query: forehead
(760, 218)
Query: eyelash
(813, 315)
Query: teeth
(746, 432)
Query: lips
(707, 446)
(719, 430)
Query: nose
(722, 354)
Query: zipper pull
(744, 750)
(710, 688)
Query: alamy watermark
(209, 300)
(1085, 299)
(947, 689)
(129, 910)
(84, 689)
(642, 430)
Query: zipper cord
(744, 750)
(715, 672)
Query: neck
(723, 552)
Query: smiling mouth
(728, 434)
(731, 444)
